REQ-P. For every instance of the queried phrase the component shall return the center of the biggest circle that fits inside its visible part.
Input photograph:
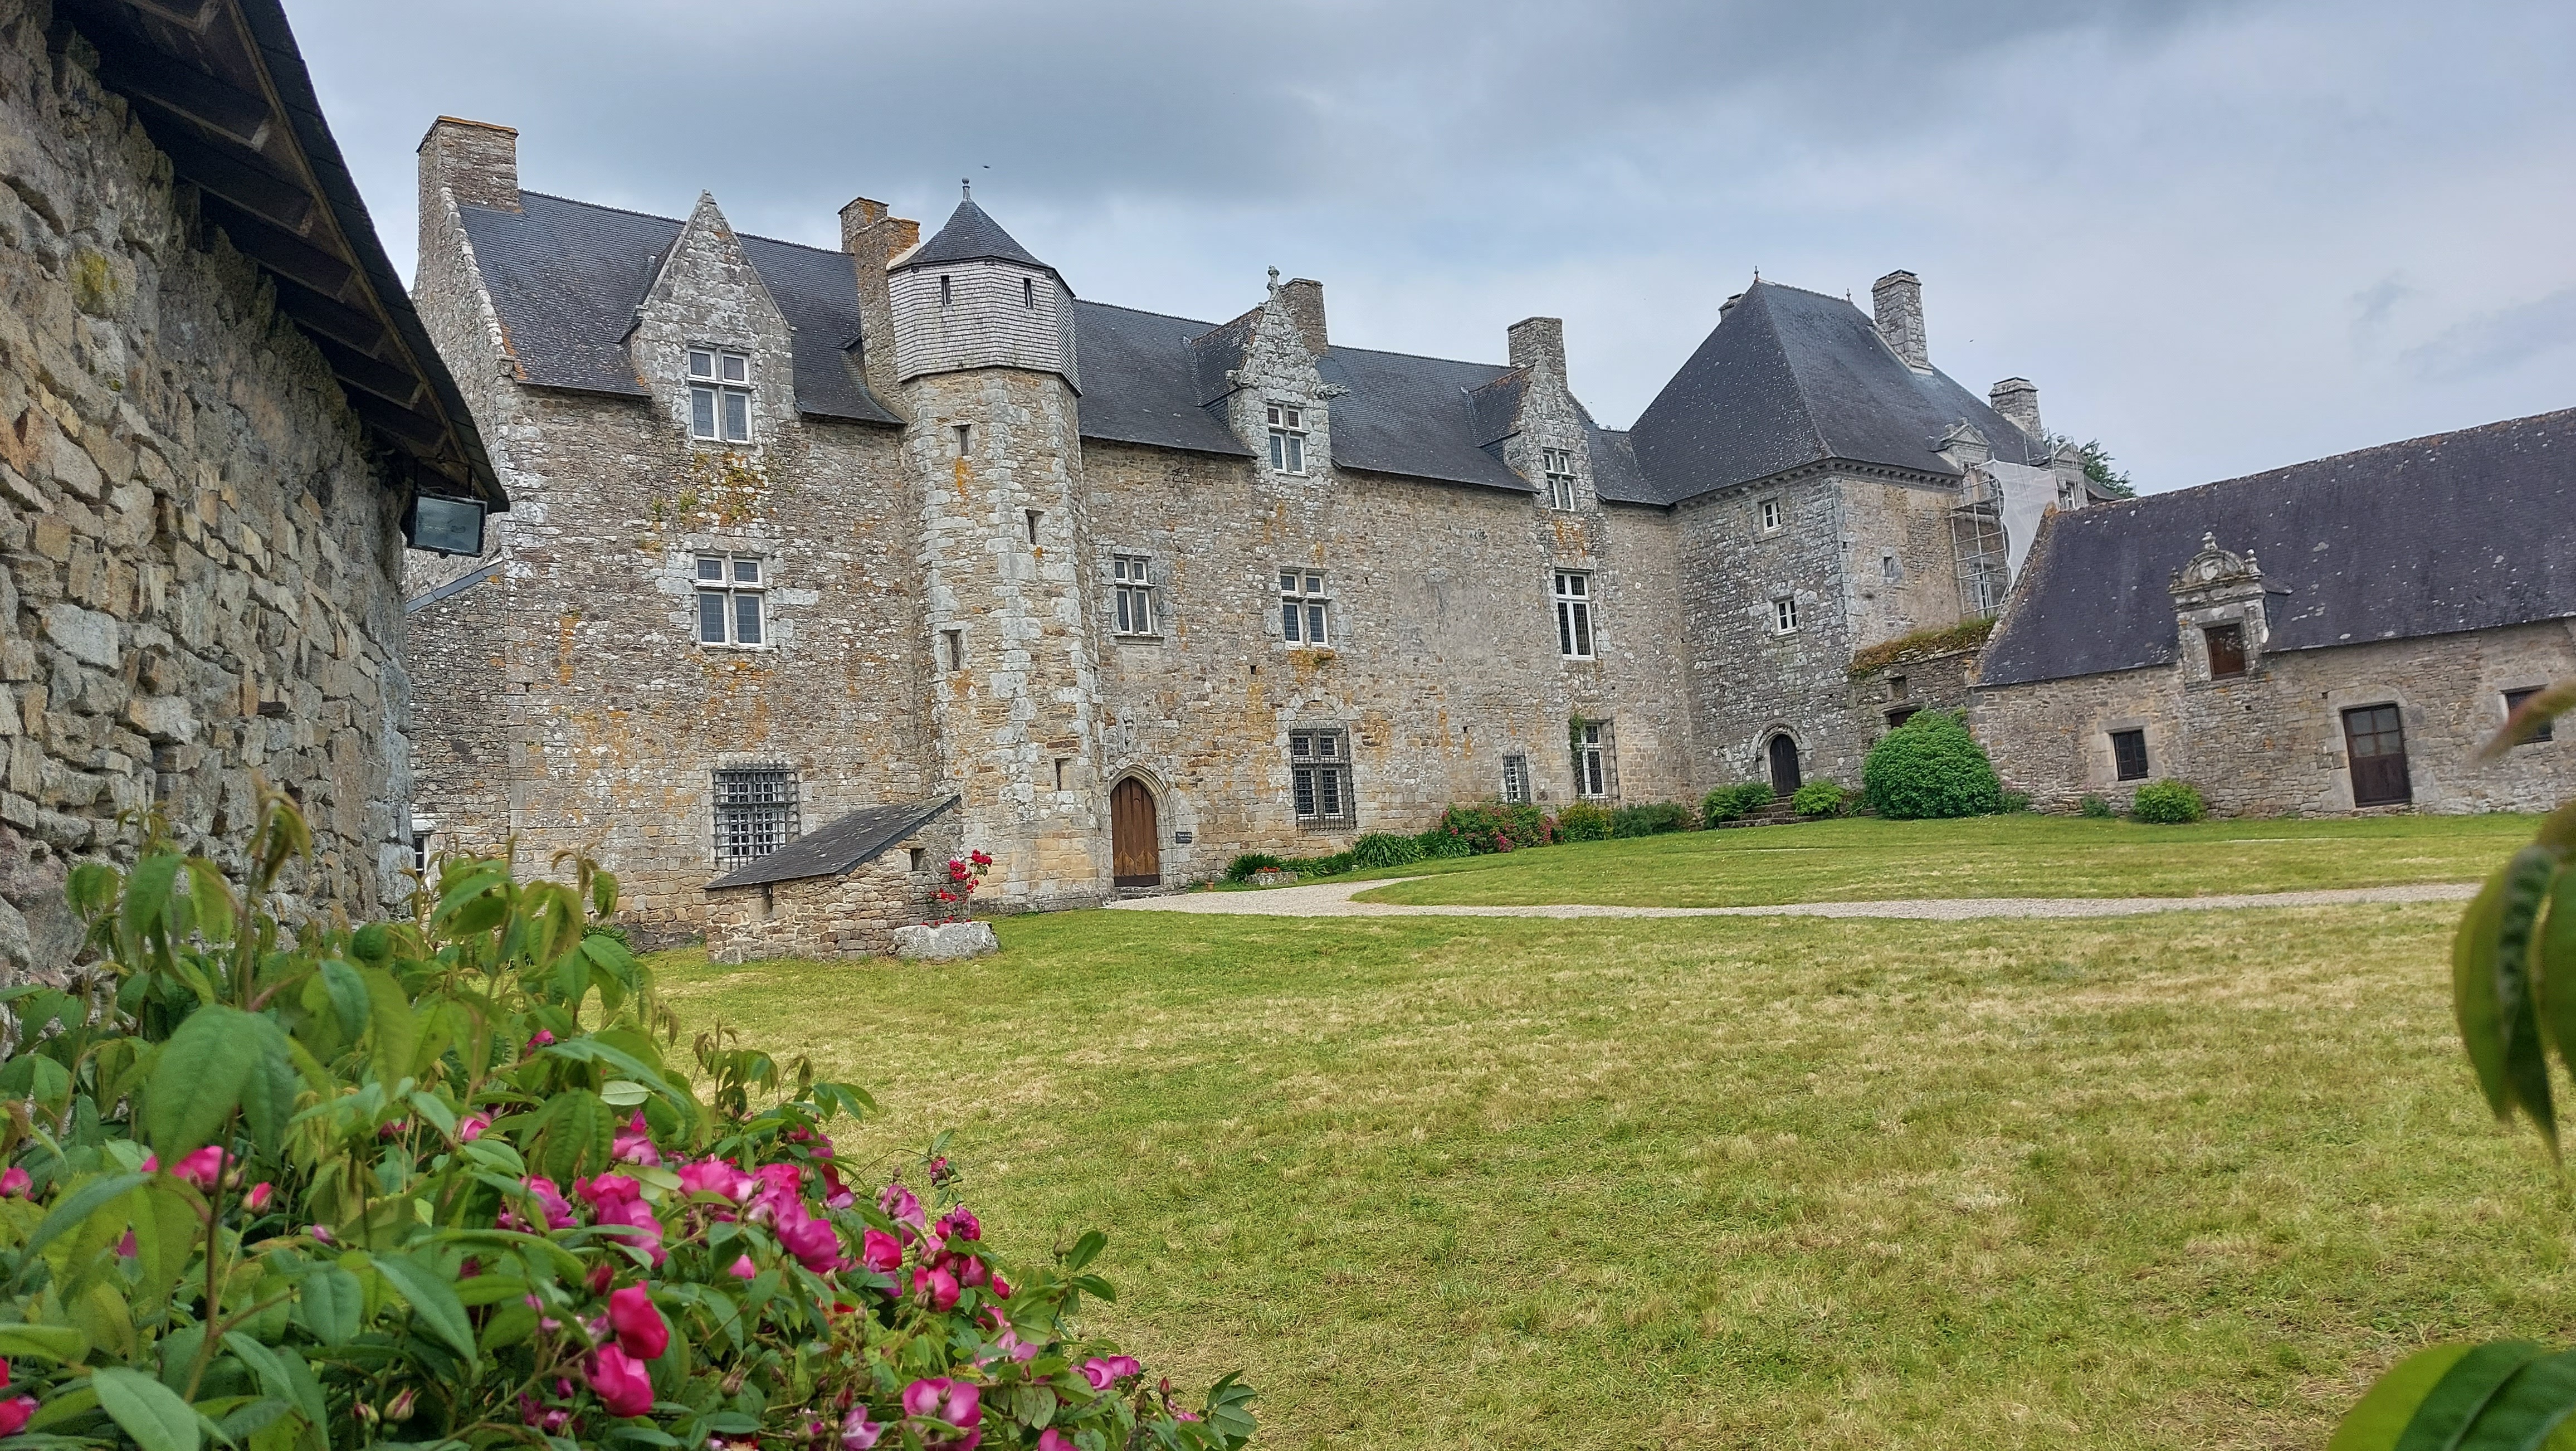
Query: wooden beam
(140, 73)
(329, 318)
(193, 17)
(281, 251)
(425, 435)
(397, 386)
(225, 172)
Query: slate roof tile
(849, 842)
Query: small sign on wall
(1181, 838)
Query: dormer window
(719, 396)
(1287, 438)
(2226, 650)
(1558, 465)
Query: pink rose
(901, 1207)
(14, 1183)
(619, 1381)
(718, 1177)
(743, 1268)
(14, 1414)
(641, 1330)
(256, 1201)
(811, 1240)
(635, 1145)
(1052, 1439)
(880, 1252)
(471, 1127)
(1001, 1287)
(953, 1401)
(960, 1223)
(858, 1433)
(937, 1286)
(202, 1168)
(558, 1210)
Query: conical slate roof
(971, 236)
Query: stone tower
(984, 356)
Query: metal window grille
(1574, 614)
(719, 396)
(1516, 780)
(755, 811)
(2129, 754)
(1558, 465)
(732, 600)
(1287, 438)
(1305, 610)
(1591, 760)
(1319, 768)
(1131, 595)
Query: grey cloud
(2499, 340)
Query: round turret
(971, 297)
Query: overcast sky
(2220, 236)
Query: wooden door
(1784, 766)
(1135, 838)
(2375, 742)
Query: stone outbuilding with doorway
(839, 891)
(2335, 636)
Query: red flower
(641, 1330)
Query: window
(1305, 611)
(2129, 754)
(1287, 438)
(1901, 714)
(1887, 566)
(1516, 780)
(947, 294)
(755, 811)
(2513, 700)
(1784, 616)
(2226, 650)
(719, 396)
(954, 643)
(1591, 759)
(1032, 517)
(1574, 614)
(1769, 510)
(2375, 741)
(1028, 292)
(730, 595)
(1320, 766)
(1558, 464)
(1131, 595)
(423, 831)
(965, 437)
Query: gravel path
(1333, 899)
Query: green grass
(1993, 856)
(2126, 1183)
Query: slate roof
(971, 235)
(2468, 530)
(1790, 378)
(1143, 381)
(566, 277)
(851, 841)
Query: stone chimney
(475, 160)
(1303, 300)
(1538, 344)
(2017, 399)
(871, 236)
(1898, 300)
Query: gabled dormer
(1549, 441)
(1268, 380)
(709, 342)
(973, 297)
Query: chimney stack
(1898, 300)
(1538, 343)
(476, 161)
(1303, 298)
(2017, 399)
(871, 236)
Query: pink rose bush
(447, 1190)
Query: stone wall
(201, 561)
(850, 915)
(2271, 742)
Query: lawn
(2145, 1182)
(1994, 856)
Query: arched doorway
(1135, 835)
(1784, 765)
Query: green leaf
(508, 1326)
(279, 1379)
(2382, 1415)
(394, 1028)
(2530, 1406)
(221, 1059)
(2463, 1391)
(77, 1208)
(433, 1302)
(2526, 888)
(211, 897)
(331, 1303)
(146, 1410)
(2473, 993)
(42, 1342)
(624, 1092)
(69, 1403)
(2554, 976)
(147, 897)
(36, 1076)
(433, 1108)
(1084, 1251)
(579, 1129)
(347, 991)
(1229, 1409)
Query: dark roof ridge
(1419, 357)
(2438, 436)
(679, 221)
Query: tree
(2097, 467)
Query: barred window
(1574, 614)
(719, 396)
(1591, 759)
(1131, 595)
(1558, 464)
(1516, 779)
(755, 811)
(1319, 764)
(1287, 438)
(1305, 610)
(731, 600)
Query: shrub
(1654, 818)
(1931, 767)
(2096, 808)
(2016, 802)
(2168, 803)
(310, 1185)
(1734, 803)
(1819, 798)
(1493, 826)
(1384, 849)
(1318, 866)
(1241, 868)
(1439, 845)
(1583, 821)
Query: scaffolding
(1978, 546)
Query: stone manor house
(824, 565)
